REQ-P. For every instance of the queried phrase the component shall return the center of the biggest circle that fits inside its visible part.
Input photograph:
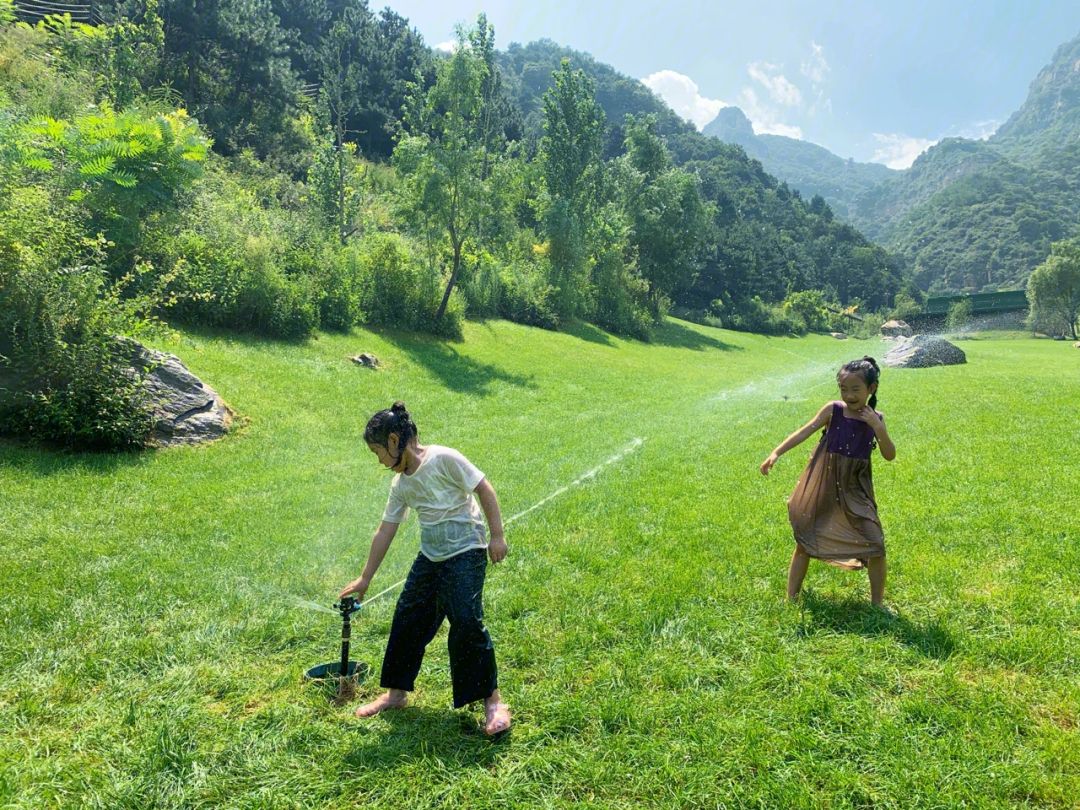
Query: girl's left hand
(868, 415)
(497, 549)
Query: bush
(62, 378)
(398, 291)
(527, 297)
(809, 307)
(228, 267)
(754, 315)
(959, 317)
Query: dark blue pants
(452, 589)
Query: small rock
(838, 335)
(896, 329)
(366, 360)
(1076, 345)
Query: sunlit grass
(155, 628)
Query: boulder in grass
(186, 410)
(893, 329)
(366, 359)
(838, 335)
(1076, 345)
(922, 351)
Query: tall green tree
(229, 59)
(571, 156)
(1054, 290)
(441, 160)
(344, 60)
(671, 223)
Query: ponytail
(395, 419)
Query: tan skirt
(833, 512)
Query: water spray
(346, 673)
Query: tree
(1054, 290)
(229, 60)
(959, 316)
(670, 221)
(342, 60)
(441, 159)
(571, 156)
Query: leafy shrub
(62, 378)
(527, 297)
(754, 315)
(399, 291)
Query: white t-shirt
(440, 490)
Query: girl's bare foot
(394, 699)
(496, 715)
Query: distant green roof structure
(981, 303)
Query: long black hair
(868, 369)
(394, 419)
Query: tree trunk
(450, 284)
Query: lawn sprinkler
(345, 672)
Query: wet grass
(159, 609)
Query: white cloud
(765, 119)
(683, 96)
(899, 151)
(447, 47)
(780, 89)
(815, 68)
(979, 130)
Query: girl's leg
(472, 653)
(416, 620)
(876, 568)
(800, 561)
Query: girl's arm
(485, 493)
(384, 535)
(884, 441)
(798, 437)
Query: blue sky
(876, 81)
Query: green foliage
(570, 153)
(62, 376)
(810, 307)
(123, 168)
(229, 60)
(755, 315)
(234, 264)
(400, 292)
(444, 166)
(906, 306)
(1054, 290)
(959, 317)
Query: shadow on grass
(452, 738)
(456, 371)
(589, 333)
(43, 459)
(851, 615)
(678, 335)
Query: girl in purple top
(832, 510)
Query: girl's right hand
(358, 587)
(768, 463)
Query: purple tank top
(849, 437)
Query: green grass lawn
(157, 608)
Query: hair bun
(398, 407)
(870, 360)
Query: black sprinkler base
(357, 670)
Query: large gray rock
(186, 410)
(896, 329)
(922, 351)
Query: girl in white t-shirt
(447, 577)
